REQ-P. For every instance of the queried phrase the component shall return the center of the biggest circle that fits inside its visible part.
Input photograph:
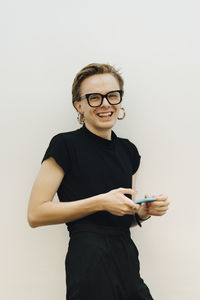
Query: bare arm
(141, 216)
(134, 223)
(41, 209)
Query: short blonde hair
(92, 69)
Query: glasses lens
(114, 97)
(94, 99)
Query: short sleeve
(59, 151)
(134, 155)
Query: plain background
(156, 46)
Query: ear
(78, 106)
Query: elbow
(32, 221)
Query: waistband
(105, 230)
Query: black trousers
(102, 264)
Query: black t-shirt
(93, 165)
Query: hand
(158, 207)
(118, 204)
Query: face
(98, 83)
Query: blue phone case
(144, 200)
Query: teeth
(104, 114)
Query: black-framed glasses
(96, 99)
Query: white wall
(156, 45)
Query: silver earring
(80, 118)
(123, 114)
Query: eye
(94, 97)
(113, 95)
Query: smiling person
(93, 172)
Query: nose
(105, 102)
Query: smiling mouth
(105, 115)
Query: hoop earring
(80, 118)
(123, 114)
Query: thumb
(147, 196)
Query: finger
(134, 207)
(132, 211)
(156, 206)
(159, 210)
(127, 191)
(151, 195)
(161, 197)
(159, 203)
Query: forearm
(49, 213)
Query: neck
(102, 132)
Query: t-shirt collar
(98, 138)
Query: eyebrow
(101, 93)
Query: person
(94, 172)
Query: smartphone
(144, 200)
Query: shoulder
(130, 146)
(60, 148)
(65, 137)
